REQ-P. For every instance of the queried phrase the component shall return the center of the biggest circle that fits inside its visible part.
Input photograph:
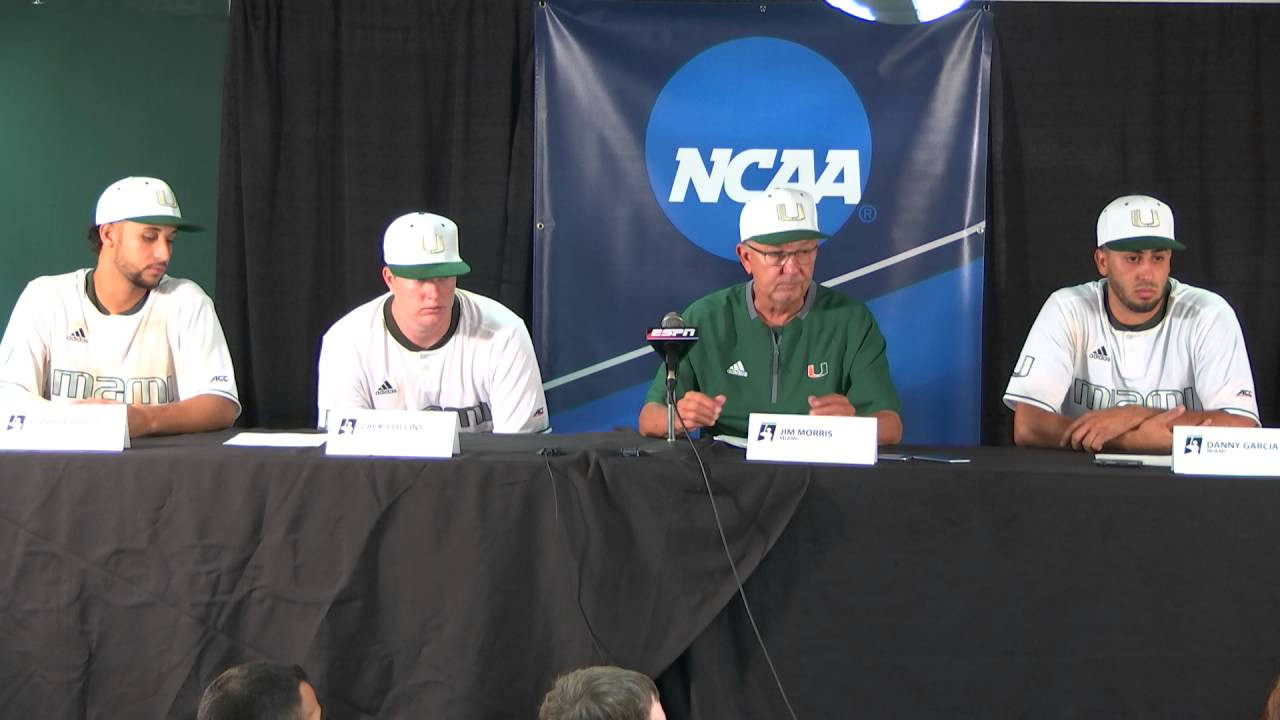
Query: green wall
(92, 91)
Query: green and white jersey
(833, 346)
(1076, 361)
(483, 368)
(60, 346)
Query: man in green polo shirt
(779, 343)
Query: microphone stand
(671, 405)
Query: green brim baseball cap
(431, 270)
(165, 220)
(422, 246)
(1152, 242)
(780, 216)
(787, 236)
(145, 200)
(1137, 222)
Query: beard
(1135, 305)
(136, 276)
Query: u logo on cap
(165, 198)
(439, 246)
(1135, 217)
(797, 217)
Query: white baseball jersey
(485, 370)
(1075, 361)
(59, 346)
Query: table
(1026, 583)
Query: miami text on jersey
(77, 385)
(1099, 397)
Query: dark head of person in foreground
(602, 693)
(1272, 710)
(260, 691)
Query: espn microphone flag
(672, 341)
(665, 340)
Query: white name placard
(1207, 450)
(812, 439)
(62, 427)
(393, 433)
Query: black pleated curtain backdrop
(340, 116)
(1091, 101)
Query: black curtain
(340, 116)
(1093, 101)
(337, 118)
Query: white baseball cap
(141, 199)
(1137, 222)
(780, 216)
(421, 246)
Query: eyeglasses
(778, 258)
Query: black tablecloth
(1026, 583)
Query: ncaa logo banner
(656, 121)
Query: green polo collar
(750, 295)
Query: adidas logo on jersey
(78, 336)
(1245, 393)
(1100, 354)
(737, 369)
(386, 388)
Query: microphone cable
(562, 532)
(724, 542)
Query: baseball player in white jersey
(124, 331)
(427, 345)
(1116, 363)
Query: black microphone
(672, 341)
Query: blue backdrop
(655, 121)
